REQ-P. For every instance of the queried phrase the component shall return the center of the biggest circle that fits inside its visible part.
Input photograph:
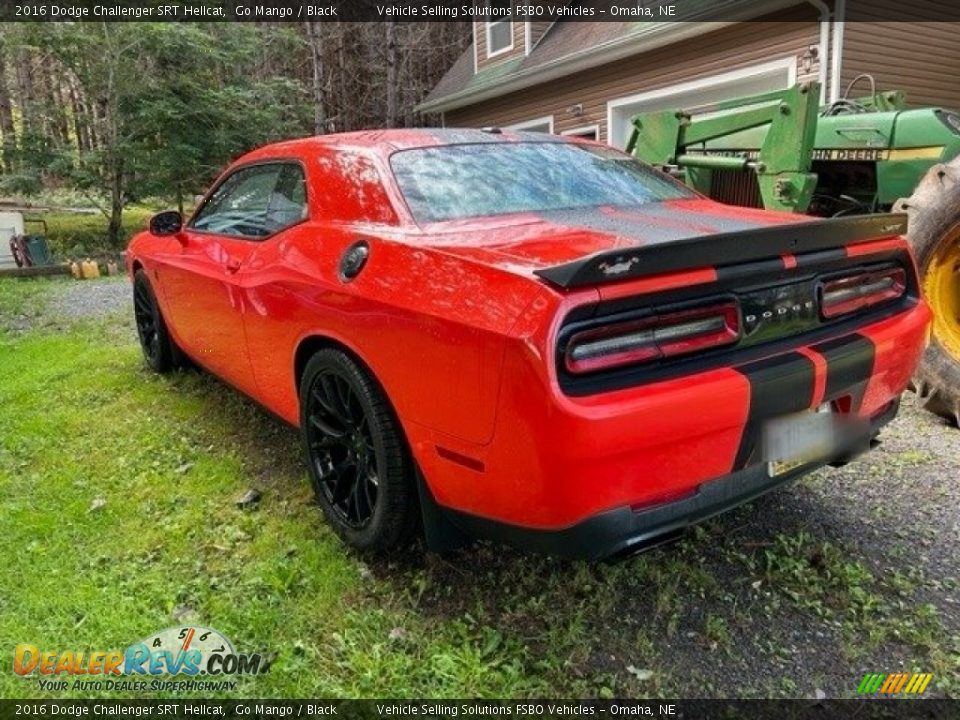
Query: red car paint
(460, 332)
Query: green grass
(22, 303)
(77, 235)
(118, 515)
(22, 296)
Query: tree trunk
(116, 203)
(57, 109)
(343, 120)
(89, 104)
(6, 119)
(315, 40)
(80, 121)
(392, 61)
(23, 64)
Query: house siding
(517, 51)
(922, 59)
(537, 30)
(722, 50)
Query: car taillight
(661, 336)
(843, 296)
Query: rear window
(474, 180)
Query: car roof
(385, 142)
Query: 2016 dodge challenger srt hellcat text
(526, 337)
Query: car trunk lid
(603, 245)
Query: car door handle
(232, 265)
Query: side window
(288, 201)
(255, 202)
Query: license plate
(792, 441)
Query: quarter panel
(430, 327)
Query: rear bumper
(593, 476)
(556, 461)
(625, 530)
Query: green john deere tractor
(782, 151)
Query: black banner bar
(450, 10)
(867, 709)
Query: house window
(499, 31)
(589, 132)
(542, 124)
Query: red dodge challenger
(526, 337)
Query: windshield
(463, 181)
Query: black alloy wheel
(358, 461)
(344, 457)
(155, 342)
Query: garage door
(699, 94)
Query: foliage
(76, 235)
(123, 111)
(187, 110)
(168, 99)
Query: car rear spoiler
(723, 249)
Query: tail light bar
(842, 296)
(653, 338)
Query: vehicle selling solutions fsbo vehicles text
(428, 11)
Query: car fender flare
(310, 342)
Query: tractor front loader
(870, 154)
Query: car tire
(159, 349)
(356, 453)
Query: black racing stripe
(779, 385)
(850, 361)
(666, 253)
(726, 273)
(820, 257)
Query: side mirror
(166, 223)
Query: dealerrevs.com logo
(180, 651)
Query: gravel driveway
(92, 298)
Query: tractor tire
(934, 233)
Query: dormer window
(499, 27)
